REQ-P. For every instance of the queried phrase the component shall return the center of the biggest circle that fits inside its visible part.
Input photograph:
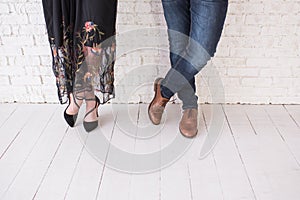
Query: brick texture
(257, 60)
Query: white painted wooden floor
(256, 157)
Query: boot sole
(189, 137)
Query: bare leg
(93, 115)
(92, 60)
(90, 101)
(73, 108)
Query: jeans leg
(187, 95)
(207, 20)
(177, 15)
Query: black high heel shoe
(90, 126)
(71, 119)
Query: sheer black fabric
(81, 35)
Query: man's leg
(178, 18)
(177, 14)
(207, 20)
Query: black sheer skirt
(82, 39)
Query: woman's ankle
(74, 105)
(91, 105)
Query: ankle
(92, 109)
(90, 104)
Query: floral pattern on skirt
(94, 66)
(83, 51)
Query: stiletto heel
(71, 119)
(90, 126)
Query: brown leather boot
(158, 104)
(189, 122)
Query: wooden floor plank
(126, 127)
(249, 145)
(285, 185)
(233, 177)
(38, 162)
(274, 150)
(11, 129)
(256, 157)
(145, 186)
(294, 113)
(5, 112)
(287, 129)
(123, 139)
(89, 171)
(170, 125)
(85, 181)
(205, 183)
(15, 157)
(203, 173)
(147, 141)
(175, 182)
(59, 175)
(148, 136)
(273, 155)
(115, 185)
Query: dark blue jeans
(194, 29)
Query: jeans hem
(190, 107)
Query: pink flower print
(89, 26)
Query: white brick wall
(258, 56)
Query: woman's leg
(96, 21)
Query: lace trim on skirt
(84, 65)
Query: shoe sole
(189, 137)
